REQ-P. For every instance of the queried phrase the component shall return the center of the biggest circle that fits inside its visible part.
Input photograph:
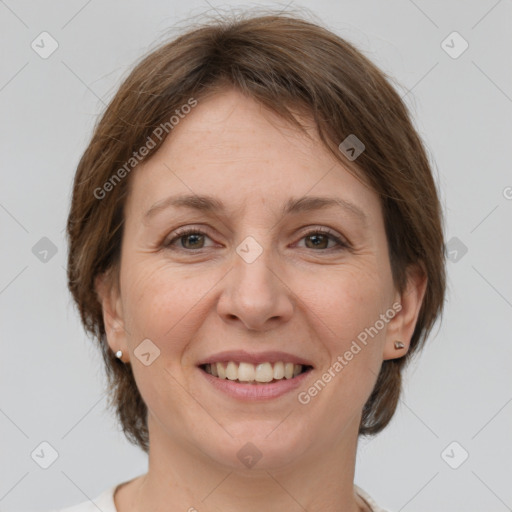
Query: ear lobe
(110, 300)
(401, 327)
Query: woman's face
(260, 279)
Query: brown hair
(287, 64)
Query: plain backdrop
(457, 395)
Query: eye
(320, 239)
(189, 239)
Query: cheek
(164, 304)
(350, 300)
(348, 323)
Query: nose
(256, 295)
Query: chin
(257, 447)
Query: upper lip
(242, 356)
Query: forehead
(229, 146)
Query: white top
(105, 502)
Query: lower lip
(255, 391)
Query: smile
(262, 373)
(260, 381)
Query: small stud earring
(119, 354)
(399, 345)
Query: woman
(255, 240)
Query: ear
(109, 295)
(401, 327)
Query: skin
(198, 297)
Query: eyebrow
(206, 203)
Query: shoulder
(368, 499)
(103, 502)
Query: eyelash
(195, 231)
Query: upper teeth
(247, 372)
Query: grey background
(52, 382)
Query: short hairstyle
(289, 65)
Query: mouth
(250, 376)
(256, 374)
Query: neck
(179, 478)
